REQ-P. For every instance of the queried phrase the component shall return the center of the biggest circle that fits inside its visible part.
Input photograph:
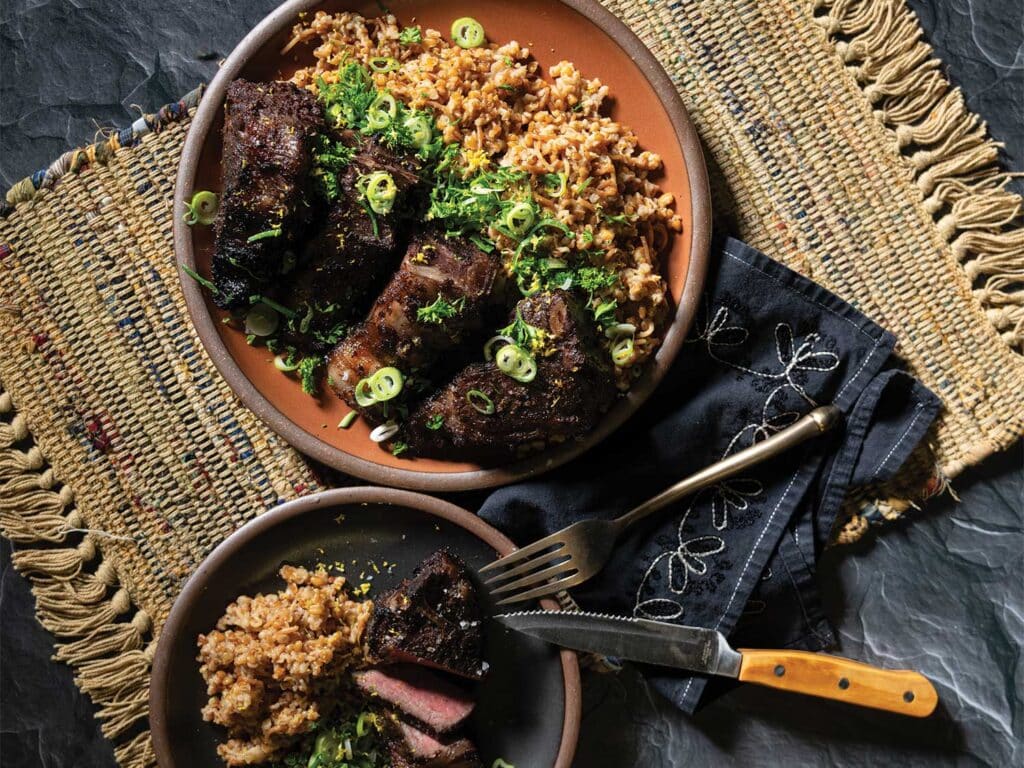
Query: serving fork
(572, 555)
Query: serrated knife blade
(706, 651)
(650, 642)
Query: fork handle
(817, 422)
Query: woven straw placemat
(836, 146)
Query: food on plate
(418, 693)
(410, 747)
(437, 300)
(297, 678)
(431, 619)
(503, 185)
(561, 390)
(274, 663)
(345, 264)
(269, 133)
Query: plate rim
(195, 588)
(485, 477)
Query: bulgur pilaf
(585, 170)
(273, 664)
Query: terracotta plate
(578, 30)
(528, 707)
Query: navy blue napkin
(768, 345)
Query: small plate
(643, 97)
(528, 707)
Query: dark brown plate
(528, 709)
(581, 31)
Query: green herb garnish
(265, 234)
(440, 310)
(410, 35)
(307, 371)
(435, 421)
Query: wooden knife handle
(831, 677)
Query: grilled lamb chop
(402, 331)
(345, 265)
(432, 619)
(574, 385)
(412, 748)
(269, 130)
(418, 693)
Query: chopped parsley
(410, 35)
(330, 158)
(440, 310)
(527, 337)
(353, 741)
(435, 421)
(308, 369)
(398, 448)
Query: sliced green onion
(258, 299)
(515, 362)
(207, 284)
(519, 219)
(361, 722)
(382, 112)
(364, 395)
(282, 364)
(383, 64)
(480, 401)
(348, 421)
(261, 320)
(555, 183)
(386, 384)
(499, 763)
(384, 432)
(420, 128)
(489, 346)
(266, 233)
(380, 190)
(201, 209)
(604, 309)
(622, 351)
(467, 32)
(620, 329)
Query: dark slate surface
(943, 593)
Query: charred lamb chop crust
(433, 619)
(346, 263)
(400, 333)
(573, 387)
(269, 131)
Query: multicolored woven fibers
(836, 146)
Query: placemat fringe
(954, 161)
(78, 594)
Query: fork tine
(531, 563)
(518, 555)
(544, 589)
(533, 579)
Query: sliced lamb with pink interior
(419, 693)
(412, 748)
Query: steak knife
(708, 652)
